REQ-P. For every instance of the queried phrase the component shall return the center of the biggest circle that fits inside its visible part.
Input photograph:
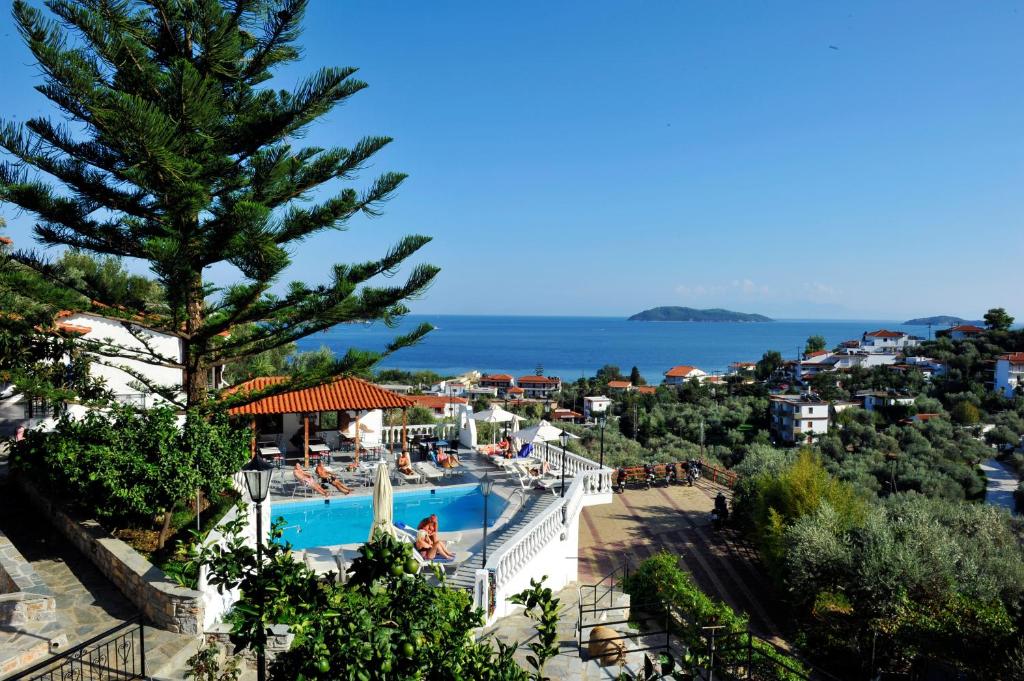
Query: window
(328, 420)
(810, 410)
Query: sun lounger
(428, 470)
(446, 537)
(408, 478)
(324, 560)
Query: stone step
(30, 644)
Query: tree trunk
(194, 383)
(165, 529)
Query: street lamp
(602, 419)
(258, 473)
(485, 489)
(564, 438)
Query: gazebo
(341, 395)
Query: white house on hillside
(887, 341)
(595, 404)
(682, 373)
(961, 332)
(1009, 376)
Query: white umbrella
(383, 507)
(494, 415)
(542, 432)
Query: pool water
(347, 520)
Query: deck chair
(408, 478)
(428, 470)
(448, 537)
(307, 486)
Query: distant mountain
(942, 320)
(689, 314)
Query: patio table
(273, 453)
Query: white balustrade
(588, 479)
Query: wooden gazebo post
(405, 431)
(357, 437)
(253, 442)
(305, 438)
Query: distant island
(688, 314)
(942, 320)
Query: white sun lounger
(428, 470)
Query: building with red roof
(682, 373)
(539, 387)
(886, 341)
(1009, 374)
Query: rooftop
(681, 371)
(341, 394)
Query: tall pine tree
(176, 151)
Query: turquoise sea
(573, 346)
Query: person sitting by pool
(536, 472)
(329, 478)
(424, 540)
(446, 460)
(431, 527)
(505, 447)
(403, 464)
(307, 479)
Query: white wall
(114, 332)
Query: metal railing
(118, 654)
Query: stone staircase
(535, 504)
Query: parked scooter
(671, 475)
(620, 480)
(649, 477)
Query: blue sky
(837, 160)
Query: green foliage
(205, 665)
(965, 413)
(659, 586)
(932, 579)
(385, 622)
(766, 366)
(128, 465)
(814, 344)
(543, 609)
(997, 319)
(173, 149)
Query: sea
(571, 347)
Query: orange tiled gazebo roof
(341, 394)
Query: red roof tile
(515, 391)
(967, 328)
(646, 389)
(619, 384)
(1014, 357)
(497, 377)
(73, 328)
(817, 353)
(6, 240)
(537, 379)
(885, 333)
(436, 401)
(341, 394)
(681, 371)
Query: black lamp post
(257, 480)
(602, 419)
(485, 489)
(564, 438)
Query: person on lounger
(424, 543)
(403, 464)
(446, 460)
(329, 478)
(307, 479)
(442, 548)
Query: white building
(131, 339)
(678, 375)
(539, 387)
(875, 399)
(887, 341)
(454, 387)
(793, 417)
(443, 406)
(1009, 376)
(594, 405)
(961, 332)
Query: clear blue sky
(812, 159)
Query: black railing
(118, 654)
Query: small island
(942, 320)
(673, 313)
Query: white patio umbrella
(542, 432)
(383, 498)
(494, 415)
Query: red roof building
(342, 394)
(619, 385)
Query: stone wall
(167, 605)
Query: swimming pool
(347, 520)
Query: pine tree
(176, 152)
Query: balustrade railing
(588, 478)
